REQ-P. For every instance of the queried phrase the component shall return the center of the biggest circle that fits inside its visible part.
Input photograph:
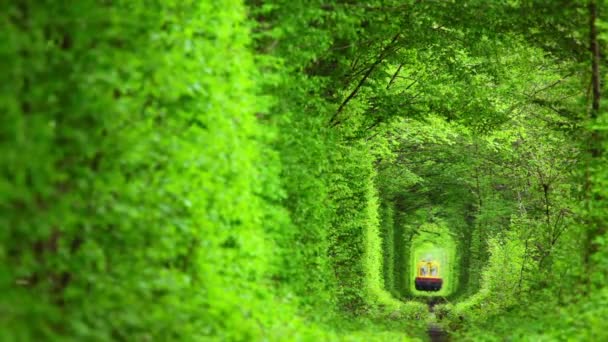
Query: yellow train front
(428, 278)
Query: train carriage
(428, 276)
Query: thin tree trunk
(596, 228)
(595, 61)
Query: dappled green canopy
(248, 170)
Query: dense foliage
(273, 170)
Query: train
(428, 276)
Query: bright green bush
(132, 173)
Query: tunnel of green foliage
(273, 170)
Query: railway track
(434, 330)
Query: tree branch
(353, 93)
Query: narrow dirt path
(435, 331)
(437, 334)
